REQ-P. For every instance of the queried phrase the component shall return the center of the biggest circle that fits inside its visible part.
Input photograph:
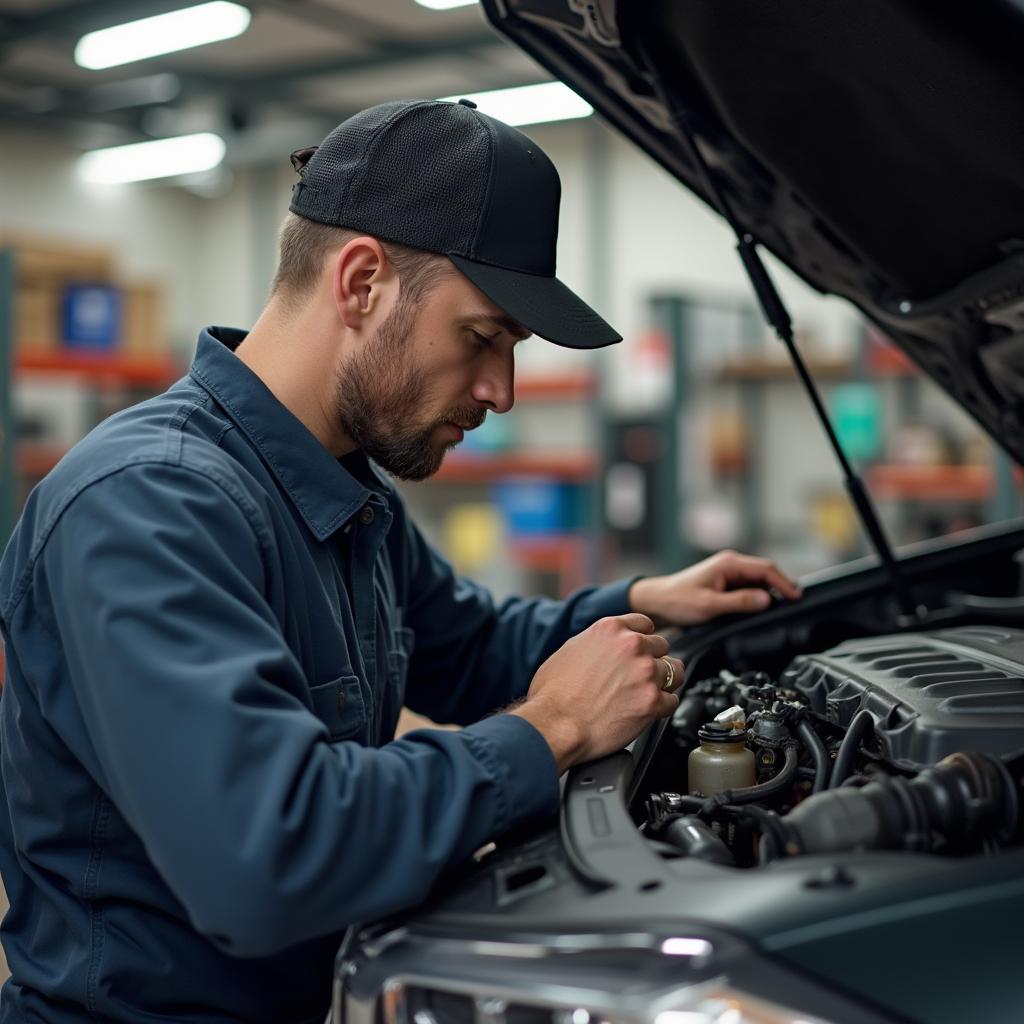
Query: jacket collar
(323, 491)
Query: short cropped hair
(304, 245)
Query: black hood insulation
(874, 147)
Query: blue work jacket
(210, 625)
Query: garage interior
(692, 436)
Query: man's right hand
(601, 689)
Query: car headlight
(729, 1007)
(712, 1004)
(420, 977)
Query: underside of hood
(876, 147)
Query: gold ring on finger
(667, 685)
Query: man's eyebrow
(506, 323)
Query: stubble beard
(378, 395)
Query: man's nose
(495, 385)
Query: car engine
(913, 741)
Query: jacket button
(341, 698)
(366, 516)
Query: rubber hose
(813, 742)
(861, 725)
(751, 794)
(773, 833)
(694, 839)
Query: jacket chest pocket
(340, 705)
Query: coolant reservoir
(722, 761)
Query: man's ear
(362, 279)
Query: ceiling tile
(475, 71)
(45, 59)
(410, 20)
(347, 93)
(285, 35)
(28, 6)
(272, 39)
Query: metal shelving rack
(97, 371)
(995, 486)
(570, 554)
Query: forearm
(479, 656)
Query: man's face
(432, 371)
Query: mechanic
(214, 608)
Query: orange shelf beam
(555, 386)
(547, 552)
(563, 554)
(101, 367)
(934, 483)
(782, 369)
(889, 361)
(36, 460)
(820, 369)
(465, 468)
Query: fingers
(780, 582)
(729, 602)
(667, 704)
(646, 641)
(655, 645)
(677, 673)
(643, 629)
(637, 621)
(751, 569)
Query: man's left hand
(720, 585)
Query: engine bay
(911, 741)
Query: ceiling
(300, 68)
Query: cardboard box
(46, 269)
(143, 330)
(37, 307)
(46, 259)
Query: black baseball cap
(446, 178)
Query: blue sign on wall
(92, 316)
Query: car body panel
(893, 931)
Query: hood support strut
(778, 317)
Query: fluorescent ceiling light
(530, 104)
(444, 5)
(162, 158)
(164, 33)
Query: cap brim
(543, 305)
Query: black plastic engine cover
(930, 694)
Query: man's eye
(482, 340)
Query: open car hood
(876, 147)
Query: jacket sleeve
(473, 655)
(189, 703)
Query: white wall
(151, 228)
(662, 237)
(627, 231)
(238, 242)
(214, 254)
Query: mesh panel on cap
(322, 192)
(425, 179)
